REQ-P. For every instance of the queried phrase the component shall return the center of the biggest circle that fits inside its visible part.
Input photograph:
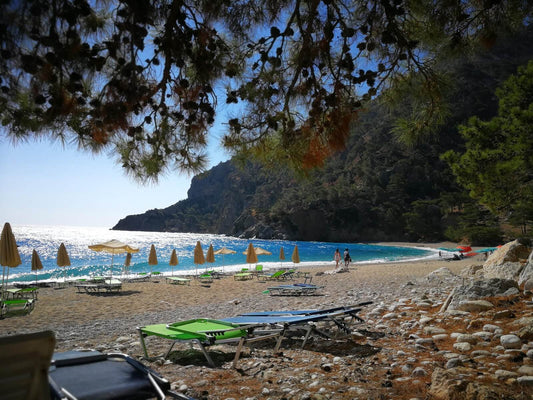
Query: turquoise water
(85, 262)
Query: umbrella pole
(112, 258)
(3, 277)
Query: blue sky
(44, 183)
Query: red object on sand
(472, 253)
(464, 248)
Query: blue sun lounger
(337, 317)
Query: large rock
(527, 272)
(480, 290)
(505, 262)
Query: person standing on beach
(347, 259)
(337, 258)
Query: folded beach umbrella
(113, 247)
(63, 259)
(295, 255)
(152, 258)
(281, 256)
(210, 256)
(173, 260)
(198, 255)
(36, 263)
(9, 253)
(251, 255)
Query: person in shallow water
(337, 258)
(347, 259)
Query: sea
(86, 263)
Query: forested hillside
(378, 189)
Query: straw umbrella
(152, 258)
(295, 255)
(224, 251)
(261, 252)
(113, 247)
(281, 257)
(9, 253)
(251, 256)
(36, 263)
(198, 256)
(63, 259)
(210, 256)
(173, 260)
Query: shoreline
(268, 266)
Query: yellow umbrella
(224, 251)
(262, 252)
(9, 253)
(173, 260)
(114, 247)
(210, 256)
(281, 256)
(198, 256)
(152, 258)
(295, 256)
(36, 263)
(63, 259)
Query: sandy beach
(108, 321)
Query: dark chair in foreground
(24, 362)
(93, 375)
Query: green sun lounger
(175, 280)
(243, 276)
(204, 332)
(24, 305)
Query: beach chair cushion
(95, 375)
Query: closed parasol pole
(9, 253)
(198, 256)
(35, 263)
(173, 260)
(152, 258)
(281, 257)
(63, 260)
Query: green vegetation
(144, 79)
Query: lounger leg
(143, 345)
(307, 334)
(238, 352)
(202, 347)
(278, 342)
(156, 386)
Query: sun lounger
(341, 317)
(243, 276)
(205, 278)
(297, 289)
(95, 375)
(24, 363)
(20, 293)
(205, 332)
(177, 280)
(105, 285)
(23, 305)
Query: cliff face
(222, 200)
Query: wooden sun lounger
(174, 280)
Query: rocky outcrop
(507, 261)
(478, 290)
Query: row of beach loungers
(29, 365)
(252, 327)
